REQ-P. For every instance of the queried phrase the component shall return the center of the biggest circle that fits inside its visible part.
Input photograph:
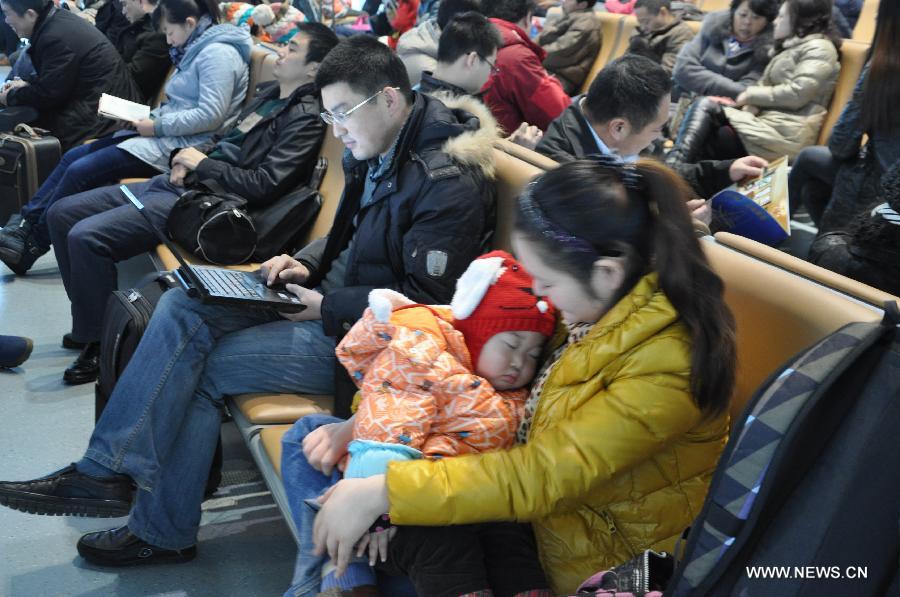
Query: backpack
(127, 315)
(806, 496)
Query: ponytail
(177, 12)
(587, 209)
(693, 288)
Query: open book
(757, 208)
(121, 109)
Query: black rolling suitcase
(127, 315)
(27, 157)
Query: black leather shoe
(71, 343)
(86, 367)
(70, 493)
(119, 547)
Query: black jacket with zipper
(276, 155)
(75, 63)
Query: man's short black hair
(508, 10)
(321, 40)
(20, 7)
(468, 32)
(653, 6)
(629, 87)
(450, 8)
(366, 65)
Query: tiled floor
(245, 548)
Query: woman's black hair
(177, 12)
(881, 94)
(812, 16)
(763, 8)
(588, 212)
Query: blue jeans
(302, 482)
(92, 231)
(161, 424)
(81, 168)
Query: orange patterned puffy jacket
(418, 387)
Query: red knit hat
(494, 295)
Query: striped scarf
(884, 210)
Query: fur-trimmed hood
(473, 148)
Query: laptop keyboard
(229, 283)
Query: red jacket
(522, 91)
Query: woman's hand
(325, 446)
(144, 127)
(348, 510)
(376, 544)
(721, 99)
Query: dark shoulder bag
(213, 226)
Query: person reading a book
(204, 97)
(784, 111)
(622, 114)
(272, 149)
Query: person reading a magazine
(203, 98)
(622, 114)
(272, 149)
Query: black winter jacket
(431, 214)
(569, 138)
(75, 63)
(276, 155)
(146, 53)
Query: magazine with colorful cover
(757, 208)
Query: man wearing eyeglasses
(417, 208)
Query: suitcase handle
(29, 131)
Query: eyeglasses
(333, 118)
(495, 70)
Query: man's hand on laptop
(310, 298)
(283, 269)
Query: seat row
(781, 305)
(617, 31)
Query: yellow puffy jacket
(618, 457)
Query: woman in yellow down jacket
(627, 418)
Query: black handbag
(216, 226)
(213, 226)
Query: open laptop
(222, 285)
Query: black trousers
(455, 560)
(811, 181)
